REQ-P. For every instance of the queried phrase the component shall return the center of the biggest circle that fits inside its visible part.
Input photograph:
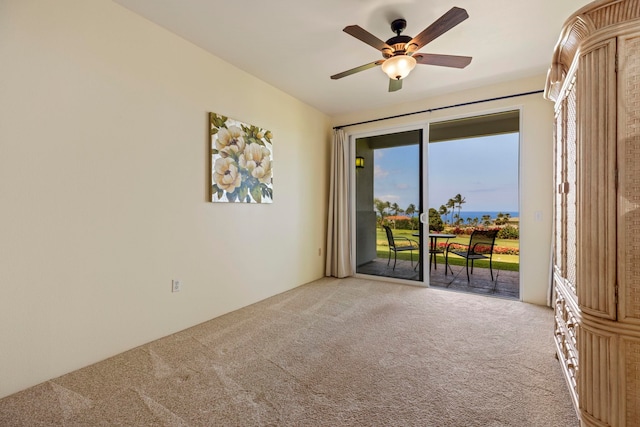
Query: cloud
(484, 190)
(389, 198)
(378, 172)
(502, 189)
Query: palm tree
(396, 209)
(451, 204)
(443, 211)
(411, 209)
(458, 201)
(486, 220)
(381, 207)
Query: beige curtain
(339, 223)
(550, 300)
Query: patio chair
(480, 246)
(399, 244)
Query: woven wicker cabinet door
(596, 198)
(629, 219)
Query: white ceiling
(295, 45)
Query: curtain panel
(339, 217)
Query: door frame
(425, 125)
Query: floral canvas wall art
(241, 162)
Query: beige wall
(536, 162)
(104, 186)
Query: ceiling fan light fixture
(398, 67)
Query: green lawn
(501, 262)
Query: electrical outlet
(176, 286)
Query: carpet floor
(335, 352)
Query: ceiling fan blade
(357, 69)
(453, 61)
(395, 84)
(365, 36)
(453, 17)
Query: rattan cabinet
(594, 81)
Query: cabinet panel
(566, 336)
(596, 219)
(570, 207)
(596, 374)
(559, 241)
(630, 351)
(629, 178)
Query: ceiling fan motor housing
(398, 43)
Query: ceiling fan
(401, 54)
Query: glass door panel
(473, 186)
(388, 205)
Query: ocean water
(478, 214)
(473, 214)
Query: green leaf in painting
(216, 191)
(214, 131)
(267, 192)
(242, 192)
(256, 193)
(218, 121)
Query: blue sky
(483, 170)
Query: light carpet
(335, 352)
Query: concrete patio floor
(506, 284)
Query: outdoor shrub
(462, 230)
(403, 224)
(506, 250)
(435, 221)
(468, 230)
(499, 250)
(509, 232)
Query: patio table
(433, 245)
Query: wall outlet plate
(176, 286)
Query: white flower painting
(241, 162)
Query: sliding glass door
(467, 169)
(473, 187)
